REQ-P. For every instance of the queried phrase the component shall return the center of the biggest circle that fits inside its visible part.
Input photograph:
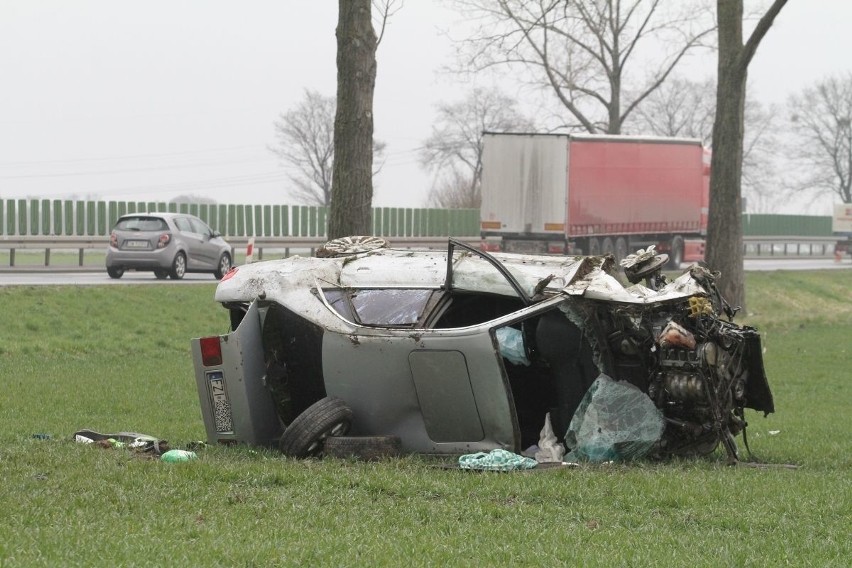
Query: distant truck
(593, 194)
(841, 226)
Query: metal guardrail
(753, 247)
(784, 246)
(285, 244)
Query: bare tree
(684, 108)
(724, 230)
(678, 108)
(454, 150)
(453, 190)
(306, 143)
(822, 120)
(587, 52)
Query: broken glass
(614, 422)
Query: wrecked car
(461, 351)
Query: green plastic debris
(174, 456)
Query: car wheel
(306, 434)
(676, 252)
(115, 272)
(351, 245)
(178, 266)
(161, 274)
(223, 267)
(369, 448)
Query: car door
(208, 247)
(439, 390)
(191, 243)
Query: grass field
(116, 359)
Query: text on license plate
(136, 244)
(221, 406)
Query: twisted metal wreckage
(463, 351)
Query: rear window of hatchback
(142, 224)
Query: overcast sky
(150, 100)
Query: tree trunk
(352, 183)
(724, 225)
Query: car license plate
(136, 244)
(220, 404)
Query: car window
(142, 224)
(199, 227)
(338, 300)
(380, 307)
(183, 225)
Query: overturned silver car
(462, 351)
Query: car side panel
(439, 391)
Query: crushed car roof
(285, 280)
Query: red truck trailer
(593, 194)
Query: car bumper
(139, 260)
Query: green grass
(116, 358)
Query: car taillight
(164, 240)
(211, 351)
(229, 274)
(113, 239)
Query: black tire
(676, 253)
(620, 249)
(306, 434)
(223, 267)
(161, 274)
(178, 266)
(368, 448)
(115, 272)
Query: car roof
(292, 281)
(287, 281)
(163, 214)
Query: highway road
(91, 277)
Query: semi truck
(594, 194)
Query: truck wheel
(607, 247)
(676, 252)
(594, 247)
(369, 448)
(306, 434)
(620, 249)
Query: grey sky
(149, 100)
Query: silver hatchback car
(169, 244)
(462, 351)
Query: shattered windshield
(380, 307)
